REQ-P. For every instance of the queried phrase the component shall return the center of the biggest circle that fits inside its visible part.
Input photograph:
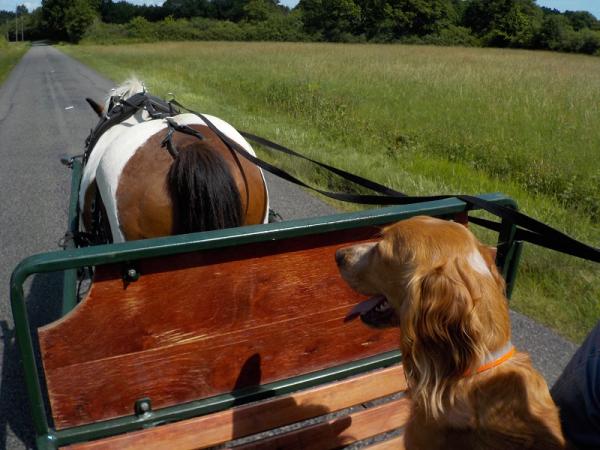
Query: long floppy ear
(99, 110)
(445, 331)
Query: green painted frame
(71, 259)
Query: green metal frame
(72, 259)
(70, 276)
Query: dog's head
(436, 281)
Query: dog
(470, 389)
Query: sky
(592, 6)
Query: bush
(522, 26)
(105, 34)
(453, 36)
(553, 33)
(275, 28)
(140, 28)
(590, 42)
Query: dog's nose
(340, 257)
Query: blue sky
(9, 5)
(592, 6)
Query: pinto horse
(144, 191)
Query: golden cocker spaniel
(469, 388)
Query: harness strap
(122, 109)
(173, 127)
(116, 114)
(532, 230)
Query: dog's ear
(445, 320)
(98, 109)
(444, 331)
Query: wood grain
(243, 421)
(203, 324)
(339, 432)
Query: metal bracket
(143, 406)
(131, 274)
(67, 160)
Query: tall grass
(10, 54)
(425, 120)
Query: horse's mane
(125, 90)
(203, 191)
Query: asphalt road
(43, 115)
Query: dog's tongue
(364, 307)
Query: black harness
(120, 110)
(528, 229)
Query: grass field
(425, 120)
(10, 54)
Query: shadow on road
(44, 304)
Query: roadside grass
(425, 120)
(10, 54)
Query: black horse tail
(203, 191)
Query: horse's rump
(206, 187)
(147, 193)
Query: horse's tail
(203, 191)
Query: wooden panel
(339, 432)
(396, 443)
(243, 421)
(203, 324)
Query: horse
(132, 187)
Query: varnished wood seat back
(202, 324)
(356, 418)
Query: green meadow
(10, 54)
(425, 120)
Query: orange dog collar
(495, 359)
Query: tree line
(495, 23)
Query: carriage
(234, 336)
(194, 340)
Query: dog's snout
(340, 257)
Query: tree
(188, 8)
(393, 19)
(480, 15)
(260, 10)
(332, 19)
(229, 9)
(421, 17)
(590, 41)
(581, 19)
(67, 19)
(554, 32)
(117, 12)
(78, 17)
(504, 22)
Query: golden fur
(452, 312)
